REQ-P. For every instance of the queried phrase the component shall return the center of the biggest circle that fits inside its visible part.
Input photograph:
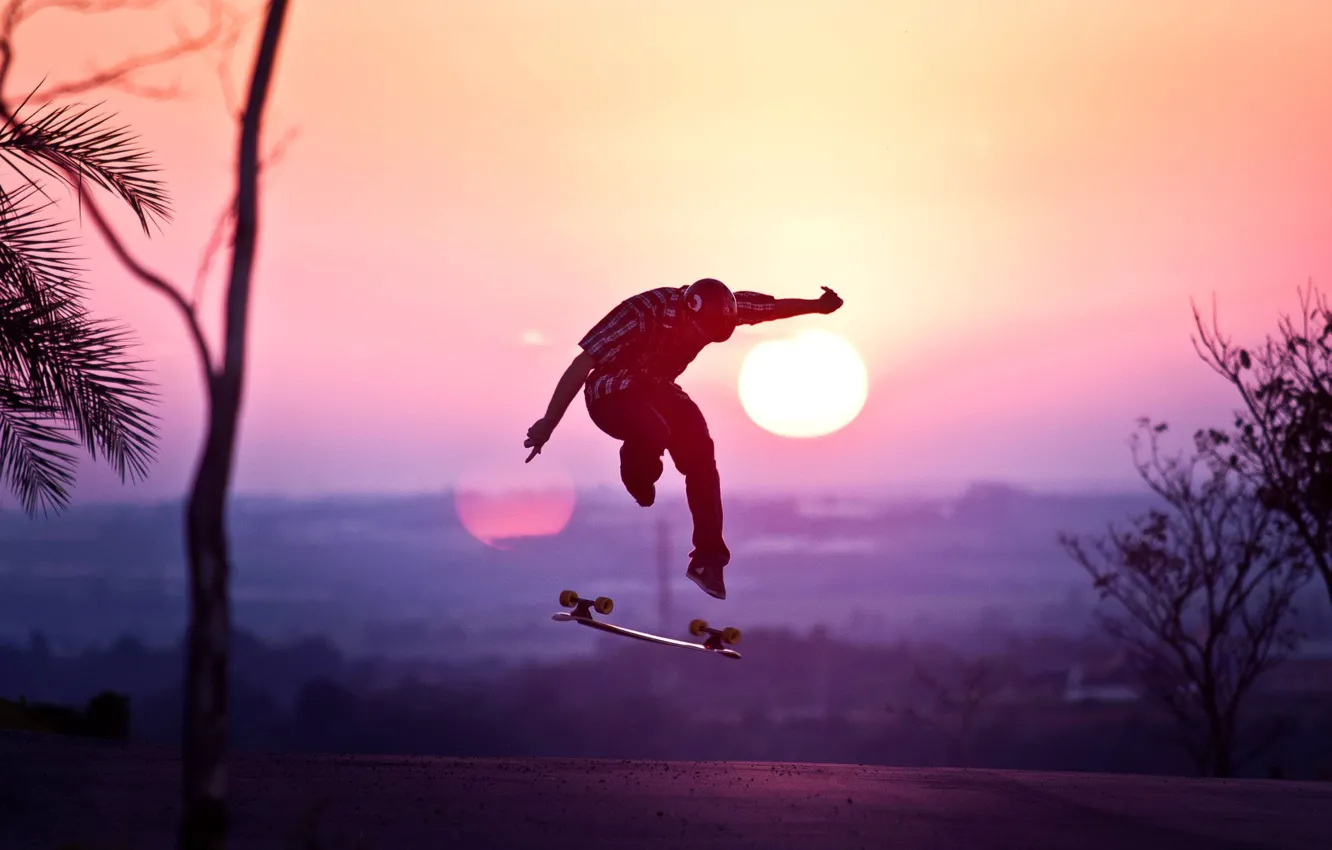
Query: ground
(55, 790)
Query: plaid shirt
(648, 338)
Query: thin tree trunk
(1326, 572)
(204, 823)
(204, 785)
(1223, 758)
(1221, 744)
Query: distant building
(1097, 687)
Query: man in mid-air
(627, 370)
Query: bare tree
(204, 785)
(1200, 591)
(1282, 437)
(956, 695)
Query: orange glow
(1015, 200)
(495, 506)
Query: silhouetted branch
(24, 9)
(157, 282)
(225, 224)
(120, 75)
(1281, 440)
(229, 44)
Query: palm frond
(39, 244)
(61, 141)
(33, 459)
(70, 366)
(40, 287)
(105, 396)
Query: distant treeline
(793, 697)
(107, 715)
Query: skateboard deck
(582, 614)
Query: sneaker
(707, 574)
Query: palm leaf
(74, 369)
(32, 457)
(105, 396)
(38, 244)
(60, 370)
(74, 143)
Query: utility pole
(663, 576)
(664, 678)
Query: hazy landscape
(402, 576)
(333, 334)
(382, 625)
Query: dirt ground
(59, 790)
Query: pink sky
(1015, 200)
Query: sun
(808, 385)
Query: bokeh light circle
(497, 502)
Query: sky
(1016, 202)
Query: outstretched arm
(566, 390)
(622, 327)
(755, 307)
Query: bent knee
(696, 457)
(646, 445)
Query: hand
(537, 436)
(828, 301)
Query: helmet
(711, 304)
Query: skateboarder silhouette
(627, 370)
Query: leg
(693, 453)
(631, 417)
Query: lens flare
(497, 504)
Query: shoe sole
(698, 581)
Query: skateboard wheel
(603, 605)
(568, 598)
(730, 635)
(698, 627)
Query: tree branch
(155, 281)
(119, 75)
(24, 9)
(122, 75)
(226, 219)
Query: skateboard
(583, 609)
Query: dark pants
(652, 420)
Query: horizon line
(907, 491)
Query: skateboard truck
(716, 637)
(584, 607)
